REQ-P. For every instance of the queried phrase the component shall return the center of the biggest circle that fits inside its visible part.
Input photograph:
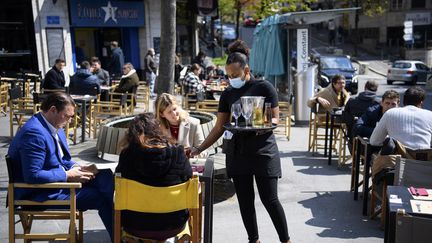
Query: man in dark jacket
(367, 122)
(355, 107)
(54, 78)
(100, 73)
(117, 59)
(129, 80)
(150, 69)
(83, 82)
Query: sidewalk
(315, 196)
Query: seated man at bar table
(41, 155)
(100, 73)
(367, 122)
(84, 82)
(332, 96)
(410, 125)
(54, 78)
(356, 107)
(129, 80)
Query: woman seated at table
(177, 124)
(332, 96)
(151, 158)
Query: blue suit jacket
(36, 158)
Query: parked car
(228, 35)
(330, 65)
(408, 72)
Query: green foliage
(220, 60)
(266, 8)
(373, 7)
(227, 10)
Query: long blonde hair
(163, 101)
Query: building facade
(76, 30)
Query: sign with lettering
(302, 49)
(106, 13)
(423, 18)
(51, 20)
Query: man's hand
(90, 168)
(76, 174)
(325, 103)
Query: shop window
(396, 4)
(418, 3)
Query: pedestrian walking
(117, 59)
(150, 70)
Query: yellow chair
(134, 196)
(29, 210)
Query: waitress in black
(249, 155)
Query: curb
(372, 69)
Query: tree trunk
(165, 80)
(238, 7)
(356, 36)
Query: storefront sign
(419, 18)
(103, 13)
(53, 20)
(302, 49)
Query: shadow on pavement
(339, 220)
(94, 236)
(319, 166)
(223, 190)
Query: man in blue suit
(40, 154)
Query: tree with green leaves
(266, 8)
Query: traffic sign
(408, 24)
(408, 37)
(408, 31)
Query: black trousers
(267, 189)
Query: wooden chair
(28, 210)
(134, 196)
(285, 110)
(190, 102)
(359, 154)
(104, 110)
(419, 161)
(143, 96)
(317, 125)
(412, 228)
(208, 106)
(73, 126)
(130, 99)
(20, 109)
(4, 88)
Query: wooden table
(83, 99)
